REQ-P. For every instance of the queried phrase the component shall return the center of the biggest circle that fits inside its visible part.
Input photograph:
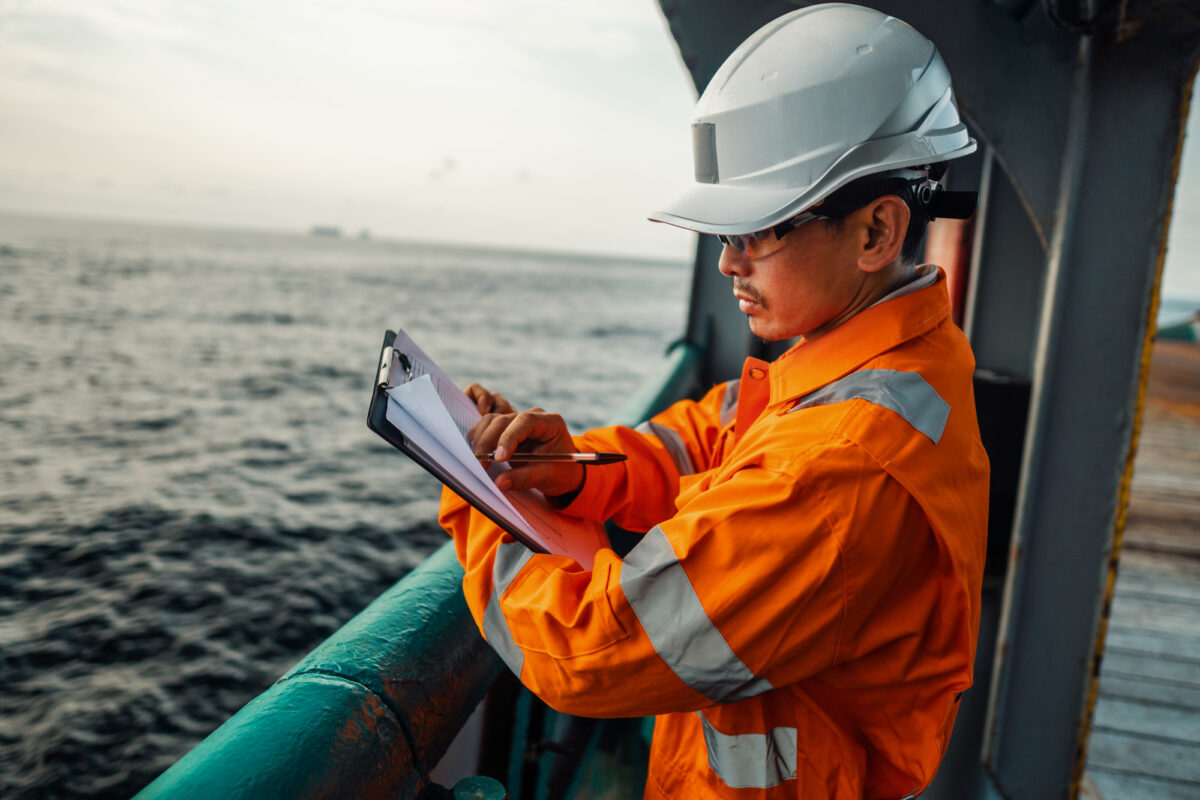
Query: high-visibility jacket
(802, 612)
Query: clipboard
(575, 538)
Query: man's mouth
(748, 297)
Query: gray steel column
(1109, 233)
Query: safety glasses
(761, 244)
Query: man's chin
(765, 332)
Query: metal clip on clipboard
(384, 381)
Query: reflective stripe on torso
(906, 393)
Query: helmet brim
(732, 209)
(717, 209)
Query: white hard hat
(815, 99)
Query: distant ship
(331, 231)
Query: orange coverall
(802, 612)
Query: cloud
(444, 168)
(269, 112)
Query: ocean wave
(156, 625)
(262, 318)
(606, 331)
(152, 423)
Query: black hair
(914, 238)
(857, 194)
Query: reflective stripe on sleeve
(673, 442)
(729, 402)
(906, 393)
(751, 760)
(510, 558)
(684, 637)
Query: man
(802, 611)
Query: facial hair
(742, 286)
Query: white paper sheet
(454, 400)
(430, 427)
(429, 409)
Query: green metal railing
(677, 377)
(372, 709)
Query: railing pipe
(366, 714)
(679, 376)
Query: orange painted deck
(1145, 740)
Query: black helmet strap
(922, 195)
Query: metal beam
(1106, 253)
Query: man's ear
(885, 223)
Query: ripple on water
(154, 626)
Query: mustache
(744, 287)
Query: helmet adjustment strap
(924, 195)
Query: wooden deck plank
(1119, 786)
(1154, 614)
(1143, 582)
(1145, 737)
(1167, 565)
(1138, 755)
(1180, 648)
(1132, 664)
(1166, 694)
(1162, 538)
(1132, 717)
(1181, 598)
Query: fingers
(485, 433)
(504, 433)
(488, 402)
(536, 427)
(530, 431)
(551, 479)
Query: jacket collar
(808, 366)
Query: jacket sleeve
(744, 589)
(640, 491)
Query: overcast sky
(542, 123)
(1181, 274)
(557, 124)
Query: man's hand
(488, 402)
(504, 432)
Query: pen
(574, 458)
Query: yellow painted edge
(1085, 724)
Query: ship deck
(1145, 740)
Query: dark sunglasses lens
(734, 241)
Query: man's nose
(733, 262)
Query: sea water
(190, 499)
